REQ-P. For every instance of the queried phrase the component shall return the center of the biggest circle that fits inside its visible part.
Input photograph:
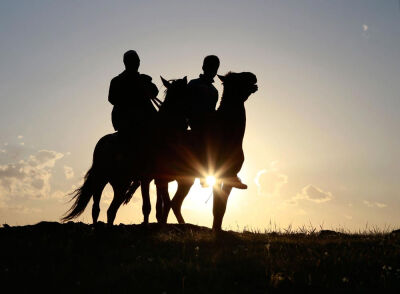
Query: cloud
(68, 172)
(270, 181)
(380, 205)
(365, 31)
(22, 209)
(374, 204)
(313, 194)
(28, 178)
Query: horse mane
(224, 100)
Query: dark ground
(77, 257)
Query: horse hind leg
(159, 205)
(180, 195)
(166, 204)
(96, 202)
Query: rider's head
(210, 66)
(131, 60)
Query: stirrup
(203, 183)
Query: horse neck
(171, 115)
(231, 103)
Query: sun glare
(211, 180)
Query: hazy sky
(322, 143)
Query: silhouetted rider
(131, 93)
(203, 98)
(203, 95)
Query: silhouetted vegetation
(75, 257)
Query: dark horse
(226, 140)
(126, 166)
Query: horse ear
(222, 78)
(185, 79)
(165, 82)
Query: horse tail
(93, 178)
(81, 196)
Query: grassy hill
(77, 257)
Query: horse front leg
(146, 206)
(163, 201)
(180, 195)
(220, 199)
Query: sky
(322, 142)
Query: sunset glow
(322, 140)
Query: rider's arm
(150, 88)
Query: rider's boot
(235, 182)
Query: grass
(77, 257)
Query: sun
(211, 180)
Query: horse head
(176, 90)
(239, 86)
(174, 107)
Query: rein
(157, 102)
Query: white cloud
(364, 27)
(270, 181)
(68, 172)
(314, 194)
(367, 203)
(380, 205)
(28, 178)
(374, 204)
